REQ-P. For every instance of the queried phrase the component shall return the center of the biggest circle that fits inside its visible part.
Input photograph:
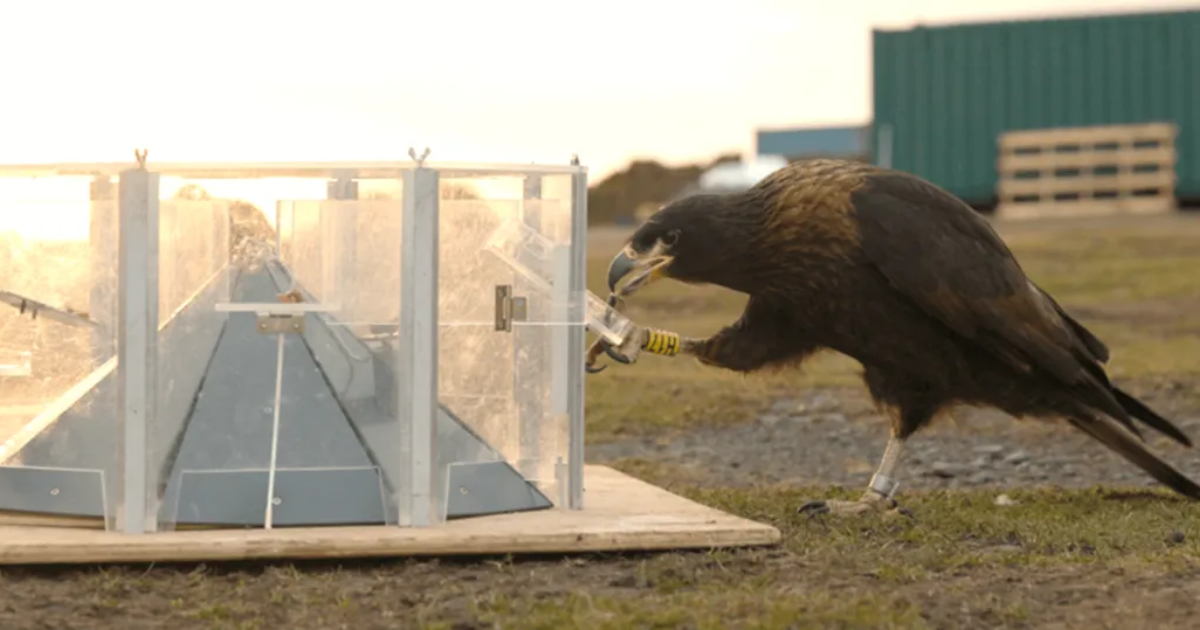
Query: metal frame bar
(529, 412)
(560, 365)
(420, 498)
(577, 338)
(137, 349)
(250, 170)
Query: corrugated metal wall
(946, 93)
(841, 141)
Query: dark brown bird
(900, 275)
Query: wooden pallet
(620, 514)
(1087, 171)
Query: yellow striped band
(661, 342)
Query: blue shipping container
(842, 141)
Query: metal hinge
(509, 308)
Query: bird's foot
(870, 503)
(626, 353)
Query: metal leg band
(883, 485)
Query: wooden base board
(621, 513)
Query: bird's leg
(731, 348)
(761, 336)
(746, 348)
(880, 494)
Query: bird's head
(692, 240)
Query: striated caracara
(900, 275)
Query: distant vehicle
(733, 176)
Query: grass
(965, 562)
(955, 529)
(1136, 287)
(870, 574)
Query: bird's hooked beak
(649, 268)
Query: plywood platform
(621, 513)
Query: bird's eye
(670, 238)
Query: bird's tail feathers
(1147, 416)
(1109, 433)
(1098, 350)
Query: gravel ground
(836, 437)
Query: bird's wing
(941, 254)
(1099, 351)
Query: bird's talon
(608, 349)
(592, 354)
(814, 509)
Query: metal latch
(509, 308)
(280, 323)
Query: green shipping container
(944, 94)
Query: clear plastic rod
(269, 518)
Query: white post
(419, 489)
(137, 349)
(575, 372)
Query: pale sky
(476, 80)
